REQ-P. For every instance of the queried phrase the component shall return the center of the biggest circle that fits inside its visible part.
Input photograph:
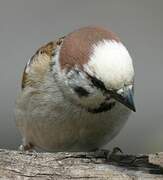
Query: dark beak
(125, 96)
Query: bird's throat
(105, 106)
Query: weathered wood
(26, 165)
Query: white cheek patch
(111, 63)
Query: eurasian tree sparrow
(77, 92)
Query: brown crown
(76, 47)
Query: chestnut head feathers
(95, 54)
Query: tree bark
(31, 165)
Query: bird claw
(108, 155)
(101, 153)
(27, 148)
(116, 150)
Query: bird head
(95, 67)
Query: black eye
(81, 91)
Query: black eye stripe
(97, 83)
(81, 91)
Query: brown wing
(39, 64)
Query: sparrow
(77, 92)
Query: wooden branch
(25, 165)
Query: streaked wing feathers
(39, 64)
